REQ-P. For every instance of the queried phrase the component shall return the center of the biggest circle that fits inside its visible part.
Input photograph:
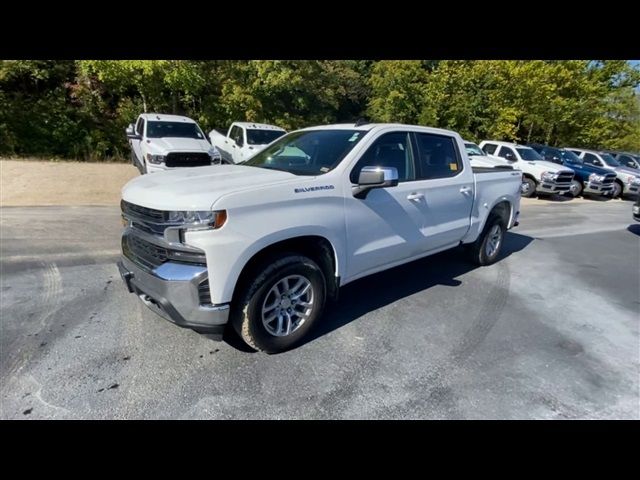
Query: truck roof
(162, 117)
(258, 126)
(506, 144)
(378, 126)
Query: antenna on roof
(361, 121)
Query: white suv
(538, 175)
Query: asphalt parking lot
(551, 331)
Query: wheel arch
(317, 247)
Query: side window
(626, 161)
(140, 126)
(437, 156)
(390, 150)
(236, 135)
(503, 153)
(591, 159)
(489, 148)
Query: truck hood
(175, 144)
(487, 161)
(627, 171)
(198, 188)
(586, 168)
(548, 166)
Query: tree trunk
(175, 103)
(144, 101)
(547, 140)
(529, 135)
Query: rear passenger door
(447, 187)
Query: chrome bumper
(597, 188)
(630, 189)
(550, 187)
(171, 290)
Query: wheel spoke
(302, 292)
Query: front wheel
(280, 305)
(528, 187)
(486, 249)
(576, 188)
(617, 190)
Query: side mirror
(556, 159)
(375, 177)
(131, 133)
(509, 156)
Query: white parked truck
(480, 159)
(244, 139)
(265, 243)
(538, 175)
(164, 142)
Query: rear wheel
(280, 304)
(528, 187)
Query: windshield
(311, 152)
(570, 156)
(473, 149)
(609, 160)
(262, 137)
(174, 129)
(528, 154)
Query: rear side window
(236, 135)
(437, 156)
(489, 148)
(390, 150)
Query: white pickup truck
(164, 142)
(244, 139)
(538, 175)
(265, 243)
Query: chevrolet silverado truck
(588, 179)
(164, 142)
(627, 179)
(538, 176)
(244, 139)
(265, 243)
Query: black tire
(576, 188)
(246, 315)
(528, 187)
(617, 190)
(478, 250)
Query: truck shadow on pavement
(381, 289)
(634, 228)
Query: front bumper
(551, 187)
(631, 189)
(171, 290)
(597, 188)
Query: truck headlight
(198, 219)
(156, 159)
(548, 176)
(594, 177)
(633, 180)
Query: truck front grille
(187, 159)
(150, 255)
(564, 177)
(142, 252)
(609, 178)
(143, 213)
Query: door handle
(465, 190)
(415, 196)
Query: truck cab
(164, 142)
(244, 139)
(538, 176)
(588, 179)
(627, 181)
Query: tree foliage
(79, 109)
